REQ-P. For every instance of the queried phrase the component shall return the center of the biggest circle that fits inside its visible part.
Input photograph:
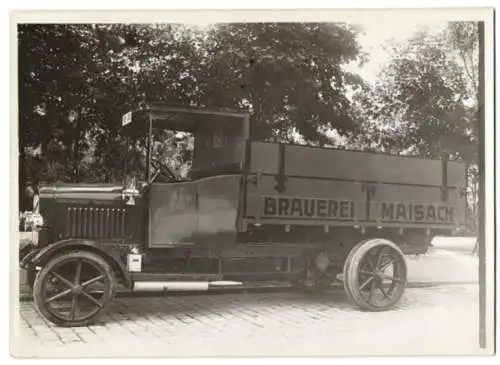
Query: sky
(379, 34)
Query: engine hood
(82, 191)
(90, 211)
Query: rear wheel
(74, 289)
(375, 275)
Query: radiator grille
(95, 222)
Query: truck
(247, 211)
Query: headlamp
(130, 191)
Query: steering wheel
(163, 170)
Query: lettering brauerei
(308, 208)
(314, 208)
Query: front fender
(38, 257)
(26, 253)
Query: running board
(182, 285)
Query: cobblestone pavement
(432, 320)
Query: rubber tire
(351, 267)
(37, 288)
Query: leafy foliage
(422, 103)
(289, 75)
(77, 80)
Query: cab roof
(187, 119)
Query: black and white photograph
(252, 183)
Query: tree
(421, 102)
(76, 81)
(47, 101)
(290, 76)
(464, 38)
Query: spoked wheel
(73, 289)
(375, 275)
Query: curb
(429, 284)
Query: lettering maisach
(308, 208)
(416, 212)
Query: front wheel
(375, 275)
(74, 289)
